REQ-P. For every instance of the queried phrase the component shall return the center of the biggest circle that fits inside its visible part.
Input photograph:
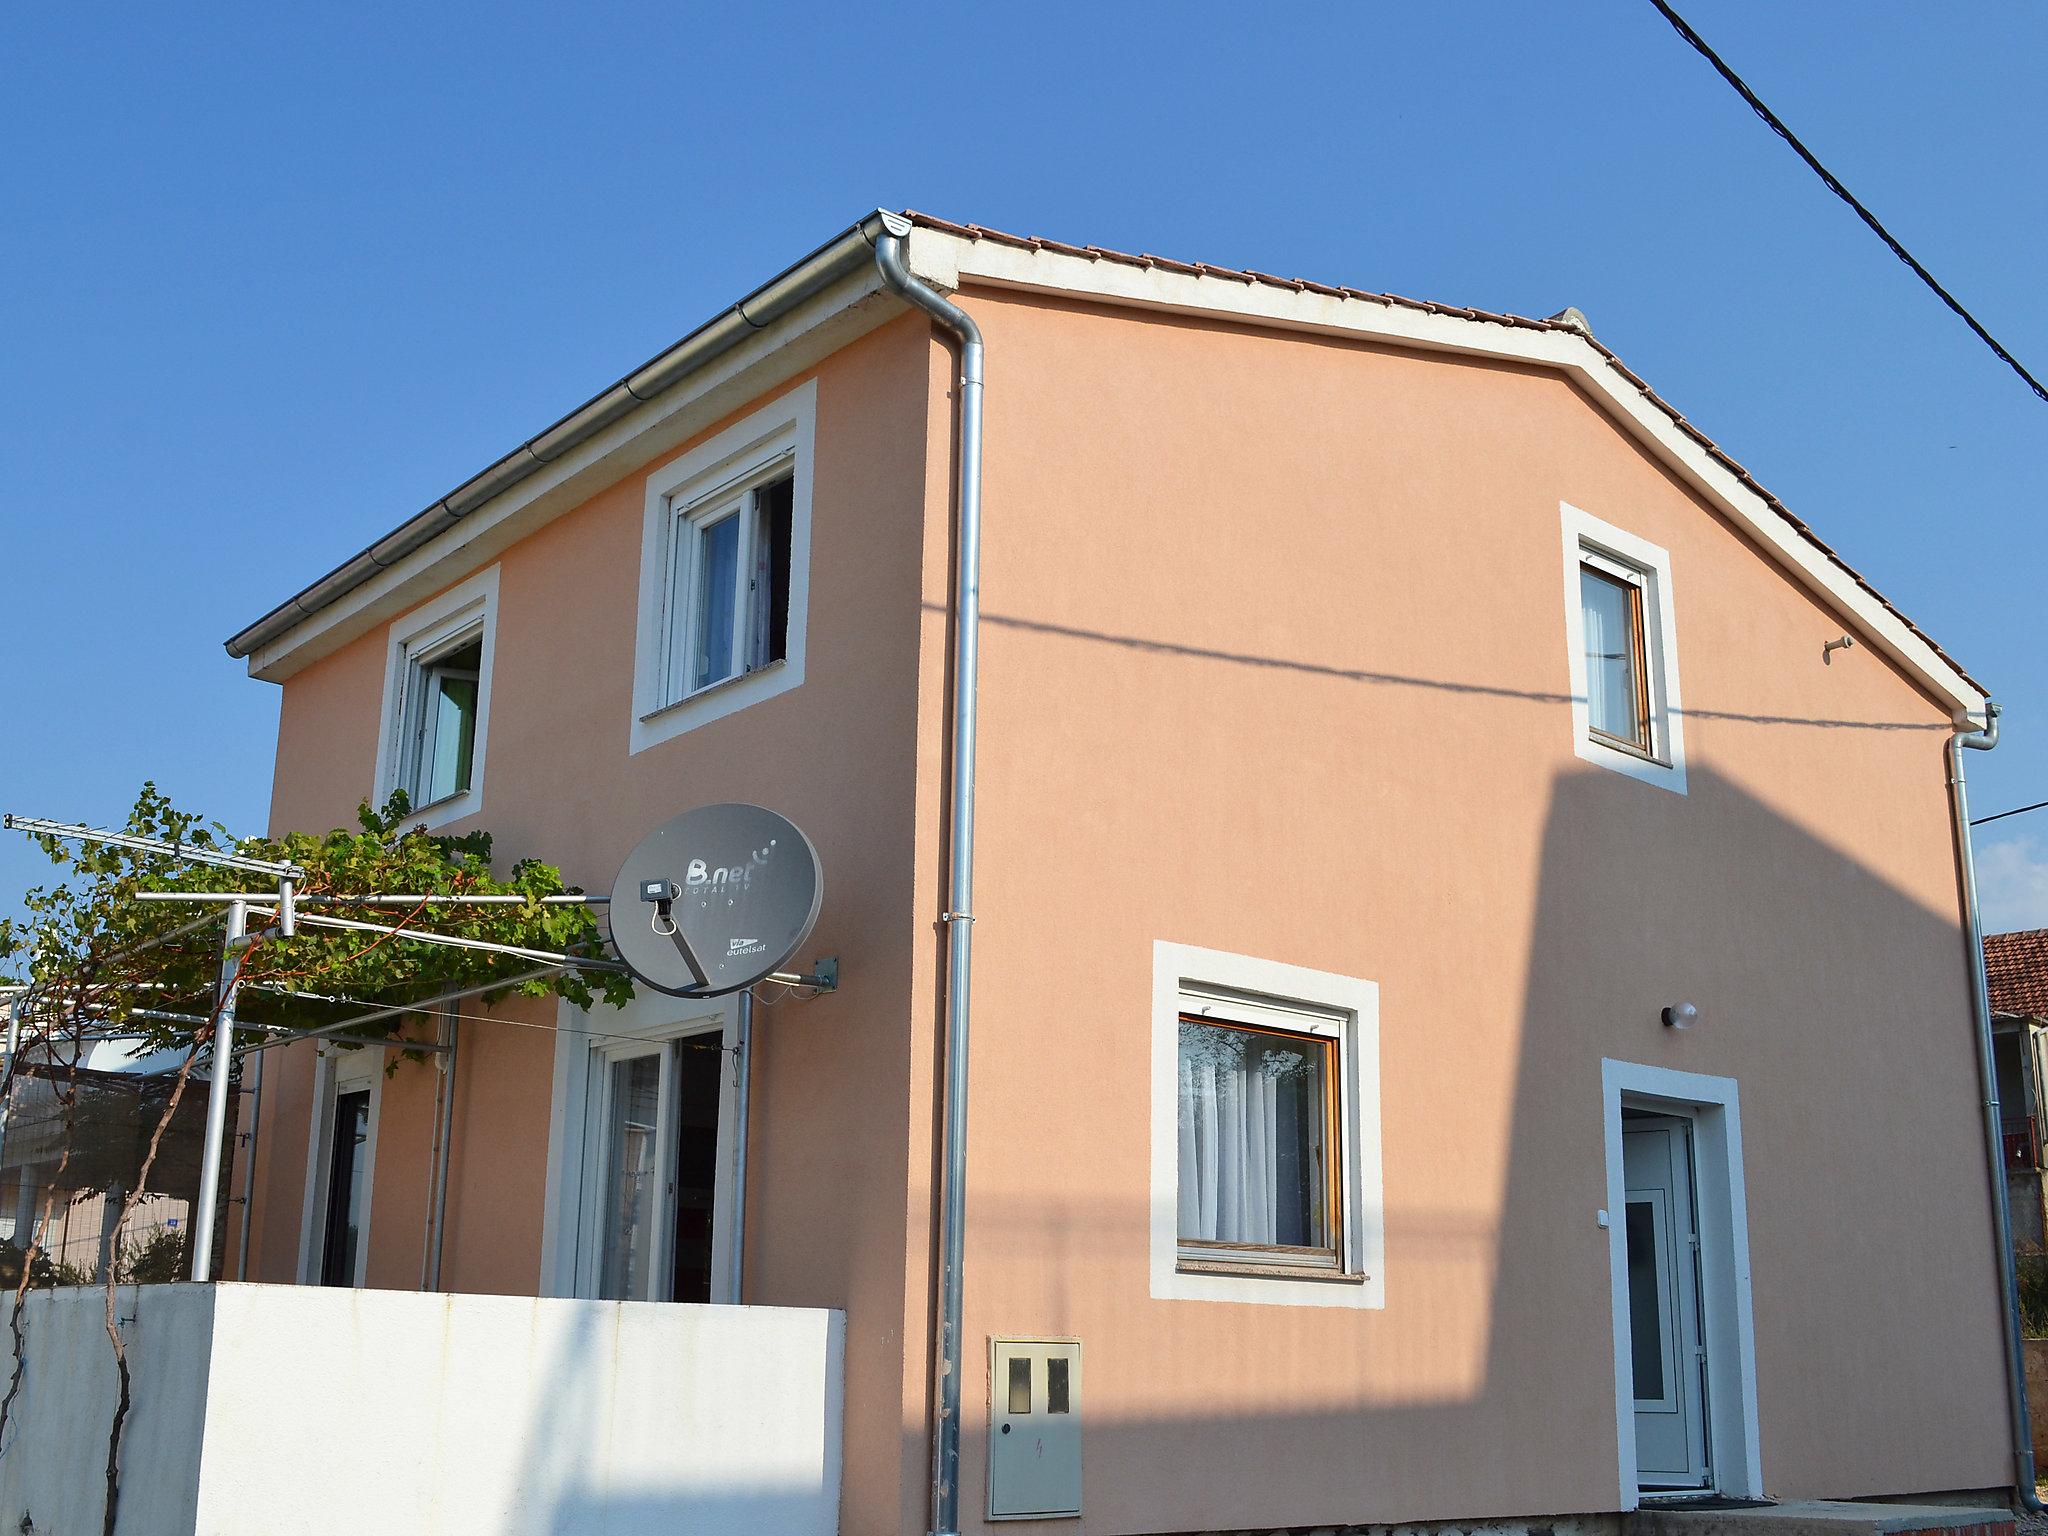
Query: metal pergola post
(14, 1007)
(220, 1063)
(742, 1093)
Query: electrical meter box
(1034, 1437)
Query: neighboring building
(2016, 969)
(1343, 840)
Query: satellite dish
(713, 901)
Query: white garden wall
(302, 1411)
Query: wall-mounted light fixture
(1827, 651)
(1680, 1016)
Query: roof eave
(838, 258)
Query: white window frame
(1188, 979)
(468, 609)
(683, 495)
(597, 1137)
(586, 1046)
(1617, 552)
(336, 1071)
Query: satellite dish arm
(662, 894)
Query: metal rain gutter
(1994, 1144)
(958, 917)
(841, 257)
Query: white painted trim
(835, 318)
(1713, 1104)
(1586, 534)
(785, 426)
(1176, 967)
(951, 260)
(472, 602)
(337, 1071)
(583, 1042)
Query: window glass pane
(771, 617)
(1614, 644)
(1645, 1302)
(1255, 1162)
(700, 1063)
(1056, 1384)
(1020, 1384)
(447, 724)
(454, 737)
(717, 597)
(626, 1244)
(347, 1184)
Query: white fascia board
(840, 315)
(952, 261)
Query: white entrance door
(1665, 1342)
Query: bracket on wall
(824, 975)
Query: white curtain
(1229, 1150)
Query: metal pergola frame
(288, 910)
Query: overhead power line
(1835, 186)
(2038, 805)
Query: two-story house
(1471, 1011)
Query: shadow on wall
(599, 1401)
(1839, 1003)
(1835, 998)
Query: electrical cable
(1979, 821)
(1834, 185)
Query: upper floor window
(441, 705)
(728, 608)
(1622, 646)
(724, 572)
(1617, 661)
(437, 701)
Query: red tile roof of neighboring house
(1395, 301)
(2016, 964)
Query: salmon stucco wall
(1275, 664)
(833, 1144)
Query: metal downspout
(742, 1114)
(444, 1133)
(1994, 1141)
(958, 917)
(249, 1179)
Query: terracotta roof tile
(2016, 965)
(1480, 316)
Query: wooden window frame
(1616, 573)
(1325, 1261)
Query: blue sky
(275, 277)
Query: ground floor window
(341, 1166)
(1257, 1120)
(347, 1188)
(1265, 1132)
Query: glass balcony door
(654, 1184)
